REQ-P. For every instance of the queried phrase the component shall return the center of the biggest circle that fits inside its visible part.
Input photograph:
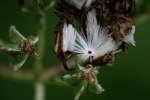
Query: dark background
(127, 79)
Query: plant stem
(49, 76)
(41, 31)
(39, 91)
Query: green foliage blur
(127, 79)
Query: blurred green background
(127, 79)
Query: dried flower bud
(26, 47)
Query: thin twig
(18, 75)
(49, 76)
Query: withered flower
(92, 45)
(86, 48)
(90, 33)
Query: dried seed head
(93, 42)
(26, 46)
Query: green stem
(41, 31)
(39, 91)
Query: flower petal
(69, 36)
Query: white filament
(69, 36)
(96, 44)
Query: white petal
(98, 37)
(69, 36)
(108, 46)
(98, 41)
(92, 28)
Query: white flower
(96, 44)
(80, 3)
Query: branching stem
(41, 31)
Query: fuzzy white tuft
(69, 36)
(96, 44)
